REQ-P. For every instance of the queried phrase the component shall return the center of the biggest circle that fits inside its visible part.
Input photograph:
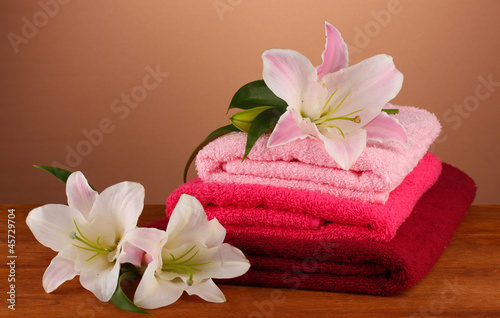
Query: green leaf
(212, 136)
(260, 125)
(59, 173)
(121, 300)
(255, 94)
(391, 111)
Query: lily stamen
(342, 118)
(341, 102)
(92, 247)
(340, 130)
(324, 115)
(328, 101)
(175, 265)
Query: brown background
(66, 74)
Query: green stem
(391, 111)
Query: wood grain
(464, 283)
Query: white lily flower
(185, 257)
(87, 233)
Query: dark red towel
(362, 266)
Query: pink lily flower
(339, 105)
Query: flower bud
(243, 120)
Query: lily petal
(188, 223)
(150, 240)
(335, 55)
(207, 291)
(52, 224)
(131, 254)
(286, 130)
(80, 195)
(154, 292)
(385, 127)
(346, 152)
(215, 234)
(288, 74)
(102, 284)
(60, 270)
(370, 84)
(117, 209)
(226, 261)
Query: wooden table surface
(464, 283)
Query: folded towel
(274, 211)
(305, 165)
(361, 266)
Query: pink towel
(273, 211)
(305, 165)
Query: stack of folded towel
(303, 222)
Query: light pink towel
(305, 165)
(274, 211)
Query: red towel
(275, 211)
(357, 266)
